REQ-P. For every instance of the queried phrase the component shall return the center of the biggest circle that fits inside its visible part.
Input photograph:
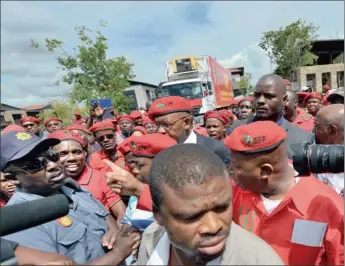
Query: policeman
(83, 234)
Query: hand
(109, 238)
(127, 241)
(59, 262)
(122, 182)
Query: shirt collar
(191, 138)
(85, 177)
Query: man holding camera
(87, 232)
(329, 130)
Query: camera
(310, 158)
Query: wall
(140, 94)
(318, 70)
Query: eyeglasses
(40, 162)
(108, 136)
(168, 125)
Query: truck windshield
(188, 90)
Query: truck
(201, 80)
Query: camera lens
(326, 158)
(300, 158)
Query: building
(34, 110)
(10, 115)
(327, 70)
(140, 93)
(237, 73)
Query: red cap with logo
(52, 119)
(168, 105)
(150, 145)
(30, 119)
(217, 115)
(125, 117)
(124, 146)
(135, 114)
(255, 137)
(67, 135)
(100, 126)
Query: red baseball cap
(100, 126)
(125, 117)
(52, 119)
(168, 105)
(67, 135)
(150, 145)
(135, 114)
(30, 119)
(217, 115)
(255, 137)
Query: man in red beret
(325, 91)
(52, 124)
(234, 106)
(245, 108)
(126, 124)
(137, 117)
(139, 131)
(71, 151)
(215, 124)
(173, 117)
(296, 115)
(78, 119)
(313, 102)
(150, 125)
(301, 218)
(268, 100)
(31, 125)
(104, 133)
(143, 150)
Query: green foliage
(63, 109)
(245, 83)
(89, 72)
(289, 47)
(339, 59)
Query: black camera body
(309, 158)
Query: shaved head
(273, 79)
(292, 96)
(332, 114)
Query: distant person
(31, 125)
(313, 102)
(52, 124)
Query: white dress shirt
(191, 138)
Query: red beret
(255, 137)
(52, 119)
(218, 115)
(77, 113)
(100, 126)
(311, 95)
(233, 102)
(67, 135)
(168, 105)
(78, 127)
(287, 82)
(125, 117)
(135, 114)
(30, 119)
(245, 99)
(150, 145)
(124, 146)
(141, 129)
(228, 113)
(12, 128)
(147, 120)
(326, 87)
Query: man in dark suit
(269, 96)
(173, 117)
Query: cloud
(147, 34)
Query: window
(340, 79)
(148, 95)
(133, 99)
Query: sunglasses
(108, 136)
(40, 162)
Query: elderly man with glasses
(87, 232)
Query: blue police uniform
(79, 240)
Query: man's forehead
(169, 116)
(54, 122)
(104, 132)
(28, 123)
(68, 144)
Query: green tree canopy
(245, 83)
(289, 47)
(88, 70)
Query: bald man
(295, 114)
(329, 130)
(269, 98)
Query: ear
(187, 122)
(296, 104)
(266, 171)
(157, 216)
(285, 97)
(332, 130)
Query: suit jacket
(242, 247)
(294, 134)
(216, 146)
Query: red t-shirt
(304, 120)
(95, 182)
(96, 161)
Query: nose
(260, 100)
(135, 171)
(210, 225)
(71, 157)
(161, 130)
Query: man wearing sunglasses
(31, 125)
(87, 232)
(104, 133)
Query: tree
(289, 48)
(245, 83)
(89, 72)
(64, 110)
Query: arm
(118, 210)
(145, 200)
(334, 244)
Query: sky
(148, 34)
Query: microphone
(23, 216)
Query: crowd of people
(154, 188)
